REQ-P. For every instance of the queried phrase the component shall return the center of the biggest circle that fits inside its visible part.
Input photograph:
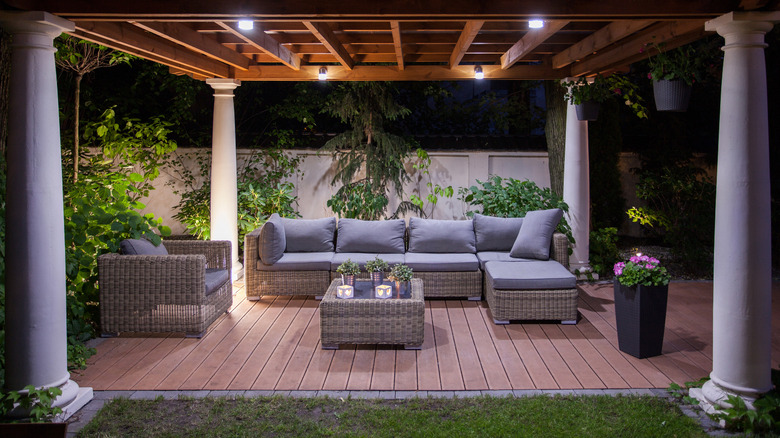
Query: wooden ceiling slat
(529, 42)
(470, 30)
(609, 34)
(329, 40)
(256, 37)
(395, 29)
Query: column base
(712, 399)
(83, 397)
(238, 271)
(583, 271)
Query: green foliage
(681, 201)
(400, 272)
(262, 191)
(359, 200)
(680, 393)
(603, 88)
(348, 268)
(37, 402)
(603, 250)
(764, 417)
(688, 63)
(376, 265)
(641, 270)
(508, 197)
(423, 165)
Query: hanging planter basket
(587, 111)
(671, 95)
(640, 314)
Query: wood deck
(273, 344)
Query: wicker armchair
(164, 293)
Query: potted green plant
(401, 274)
(641, 291)
(376, 268)
(348, 271)
(29, 412)
(673, 73)
(587, 95)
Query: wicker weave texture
(372, 321)
(163, 293)
(559, 250)
(506, 305)
(461, 284)
(288, 283)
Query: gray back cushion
(356, 235)
(496, 233)
(272, 240)
(141, 247)
(438, 236)
(310, 235)
(535, 236)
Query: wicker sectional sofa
(452, 257)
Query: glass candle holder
(383, 291)
(345, 291)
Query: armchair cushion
(309, 235)
(533, 240)
(357, 235)
(441, 236)
(272, 240)
(215, 278)
(496, 233)
(141, 247)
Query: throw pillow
(272, 241)
(533, 240)
(309, 235)
(496, 233)
(441, 236)
(141, 247)
(356, 235)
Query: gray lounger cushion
(215, 278)
(498, 256)
(300, 261)
(496, 233)
(441, 236)
(361, 258)
(310, 235)
(141, 247)
(441, 262)
(531, 275)
(371, 236)
(272, 242)
(533, 240)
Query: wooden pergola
(390, 40)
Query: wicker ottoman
(372, 320)
(543, 290)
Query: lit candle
(384, 291)
(345, 292)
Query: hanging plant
(602, 88)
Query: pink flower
(618, 91)
(642, 50)
(649, 266)
(649, 76)
(618, 269)
(634, 259)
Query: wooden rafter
(257, 38)
(609, 34)
(530, 41)
(329, 40)
(395, 29)
(631, 48)
(183, 35)
(470, 31)
(144, 44)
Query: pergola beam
(183, 35)
(329, 40)
(530, 41)
(257, 38)
(609, 34)
(395, 29)
(470, 31)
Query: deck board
(273, 344)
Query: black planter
(671, 95)
(640, 313)
(587, 111)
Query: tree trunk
(555, 132)
(77, 105)
(5, 76)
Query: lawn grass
(596, 416)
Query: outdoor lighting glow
(323, 73)
(383, 291)
(246, 24)
(478, 74)
(535, 24)
(345, 292)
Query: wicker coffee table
(367, 320)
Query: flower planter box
(640, 313)
(671, 95)
(588, 111)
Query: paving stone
(527, 392)
(93, 405)
(411, 394)
(554, 392)
(614, 392)
(194, 394)
(333, 394)
(641, 391)
(589, 392)
(364, 394)
(467, 394)
(227, 394)
(387, 395)
(149, 395)
(303, 394)
(110, 395)
(499, 393)
(441, 394)
(255, 394)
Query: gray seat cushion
(441, 262)
(356, 235)
(497, 256)
(530, 275)
(533, 240)
(496, 233)
(271, 241)
(215, 278)
(441, 236)
(310, 235)
(361, 258)
(299, 261)
(141, 247)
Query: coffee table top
(364, 291)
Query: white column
(35, 340)
(576, 187)
(742, 300)
(224, 185)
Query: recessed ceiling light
(246, 24)
(535, 24)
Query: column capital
(219, 84)
(36, 22)
(743, 22)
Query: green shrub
(38, 402)
(603, 250)
(508, 197)
(765, 417)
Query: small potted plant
(376, 268)
(401, 274)
(673, 73)
(348, 271)
(641, 291)
(588, 95)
